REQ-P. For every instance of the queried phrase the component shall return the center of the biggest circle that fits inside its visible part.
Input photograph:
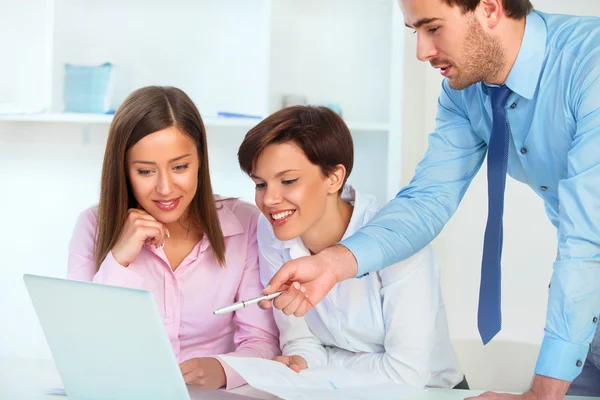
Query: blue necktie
(489, 317)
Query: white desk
(26, 379)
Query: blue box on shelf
(87, 88)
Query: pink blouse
(187, 296)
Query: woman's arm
(256, 333)
(82, 263)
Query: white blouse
(392, 322)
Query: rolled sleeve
(234, 379)
(574, 300)
(571, 355)
(573, 304)
(361, 245)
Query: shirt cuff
(560, 359)
(233, 378)
(113, 273)
(366, 251)
(312, 360)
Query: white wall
(333, 51)
(30, 92)
(529, 238)
(180, 45)
(50, 172)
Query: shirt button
(543, 188)
(172, 282)
(513, 105)
(595, 319)
(523, 150)
(579, 363)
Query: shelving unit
(231, 55)
(68, 118)
(106, 119)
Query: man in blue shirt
(524, 87)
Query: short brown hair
(515, 9)
(319, 132)
(145, 111)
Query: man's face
(453, 41)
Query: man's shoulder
(577, 36)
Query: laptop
(110, 342)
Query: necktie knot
(499, 96)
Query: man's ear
(336, 178)
(490, 12)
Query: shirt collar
(525, 73)
(230, 225)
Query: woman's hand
(296, 363)
(204, 371)
(140, 228)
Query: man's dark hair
(515, 9)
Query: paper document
(56, 391)
(316, 383)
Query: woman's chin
(165, 218)
(283, 234)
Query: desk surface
(27, 379)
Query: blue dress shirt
(554, 120)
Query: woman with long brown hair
(159, 227)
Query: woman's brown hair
(145, 111)
(318, 131)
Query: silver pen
(244, 303)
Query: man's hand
(204, 371)
(307, 280)
(543, 388)
(296, 363)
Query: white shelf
(368, 126)
(63, 118)
(247, 57)
(105, 119)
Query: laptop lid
(107, 342)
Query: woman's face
(291, 192)
(163, 173)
